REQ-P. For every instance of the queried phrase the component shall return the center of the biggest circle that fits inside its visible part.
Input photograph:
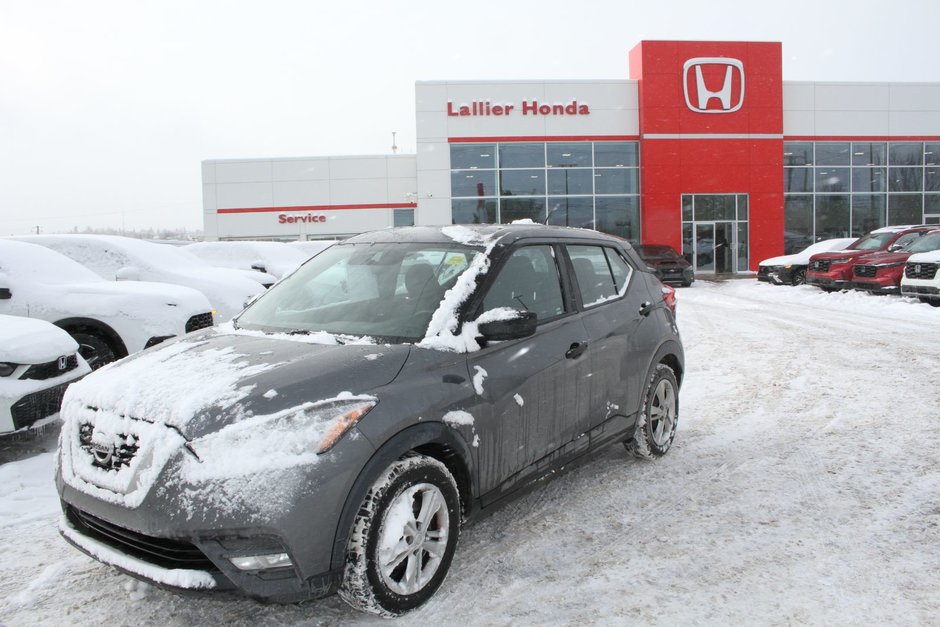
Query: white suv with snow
(921, 277)
(108, 319)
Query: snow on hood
(30, 341)
(932, 256)
(802, 258)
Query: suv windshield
(657, 252)
(872, 241)
(924, 244)
(384, 290)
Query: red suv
(881, 273)
(834, 270)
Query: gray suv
(336, 435)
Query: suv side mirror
(520, 326)
(5, 293)
(259, 266)
(127, 273)
(894, 248)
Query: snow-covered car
(312, 247)
(128, 259)
(38, 360)
(108, 319)
(274, 258)
(921, 277)
(791, 269)
(303, 449)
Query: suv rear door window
(595, 280)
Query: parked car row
(670, 267)
(98, 298)
(891, 260)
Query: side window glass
(528, 281)
(621, 270)
(906, 239)
(595, 281)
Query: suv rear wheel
(656, 425)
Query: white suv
(108, 319)
(921, 277)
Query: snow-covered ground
(803, 488)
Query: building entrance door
(714, 232)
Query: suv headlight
(841, 260)
(7, 368)
(890, 265)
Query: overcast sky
(107, 108)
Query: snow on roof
(22, 259)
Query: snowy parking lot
(803, 488)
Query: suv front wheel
(403, 538)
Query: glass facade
(585, 184)
(715, 232)
(847, 189)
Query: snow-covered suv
(833, 271)
(108, 319)
(922, 274)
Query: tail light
(669, 296)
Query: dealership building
(705, 148)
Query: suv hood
(931, 256)
(837, 254)
(877, 259)
(199, 384)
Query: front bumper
(921, 289)
(827, 282)
(876, 287)
(199, 565)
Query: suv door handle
(576, 350)
(646, 308)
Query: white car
(38, 360)
(791, 269)
(109, 320)
(921, 278)
(276, 258)
(128, 259)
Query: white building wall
(613, 107)
(285, 198)
(861, 109)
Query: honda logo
(700, 96)
(63, 362)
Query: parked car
(880, 273)
(791, 269)
(312, 247)
(833, 270)
(109, 320)
(302, 450)
(38, 360)
(670, 266)
(274, 258)
(921, 277)
(128, 259)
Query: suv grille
(921, 270)
(866, 271)
(37, 405)
(199, 321)
(164, 552)
(820, 265)
(51, 369)
(104, 456)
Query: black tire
(656, 425)
(420, 482)
(95, 349)
(933, 302)
(798, 277)
(687, 284)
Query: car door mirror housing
(127, 273)
(518, 327)
(5, 293)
